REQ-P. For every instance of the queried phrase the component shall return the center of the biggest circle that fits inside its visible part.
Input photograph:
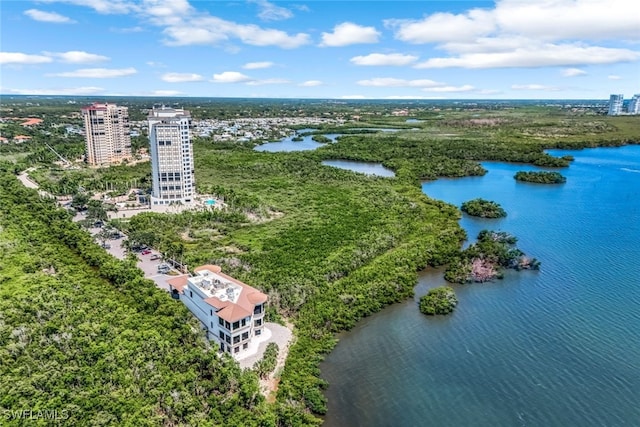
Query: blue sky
(509, 49)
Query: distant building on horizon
(171, 151)
(615, 104)
(634, 105)
(106, 133)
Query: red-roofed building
(232, 311)
(31, 121)
(19, 139)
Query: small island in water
(484, 260)
(440, 300)
(483, 208)
(542, 177)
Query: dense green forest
(84, 333)
(329, 247)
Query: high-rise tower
(106, 128)
(615, 105)
(634, 105)
(171, 156)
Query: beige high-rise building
(106, 128)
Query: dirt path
(269, 386)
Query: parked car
(164, 268)
(155, 257)
(146, 252)
(106, 246)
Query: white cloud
(231, 77)
(77, 57)
(393, 82)
(311, 83)
(212, 30)
(85, 90)
(349, 33)
(166, 11)
(166, 93)
(536, 56)
(463, 88)
(271, 12)
(443, 27)
(257, 65)
(394, 59)
(516, 33)
(42, 16)
(569, 19)
(573, 72)
(22, 58)
(104, 7)
(353, 97)
(267, 82)
(543, 19)
(534, 86)
(614, 77)
(406, 97)
(183, 25)
(126, 30)
(98, 73)
(181, 77)
(155, 64)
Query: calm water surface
(287, 143)
(361, 167)
(558, 347)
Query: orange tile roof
(178, 283)
(233, 313)
(217, 303)
(31, 121)
(212, 268)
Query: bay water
(556, 347)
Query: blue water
(287, 143)
(362, 167)
(558, 347)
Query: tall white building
(106, 130)
(634, 105)
(232, 312)
(615, 105)
(171, 156)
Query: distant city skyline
(509, 49)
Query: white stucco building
(106, 132)
(232, 312)
(171, 151)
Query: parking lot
(145, 262)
